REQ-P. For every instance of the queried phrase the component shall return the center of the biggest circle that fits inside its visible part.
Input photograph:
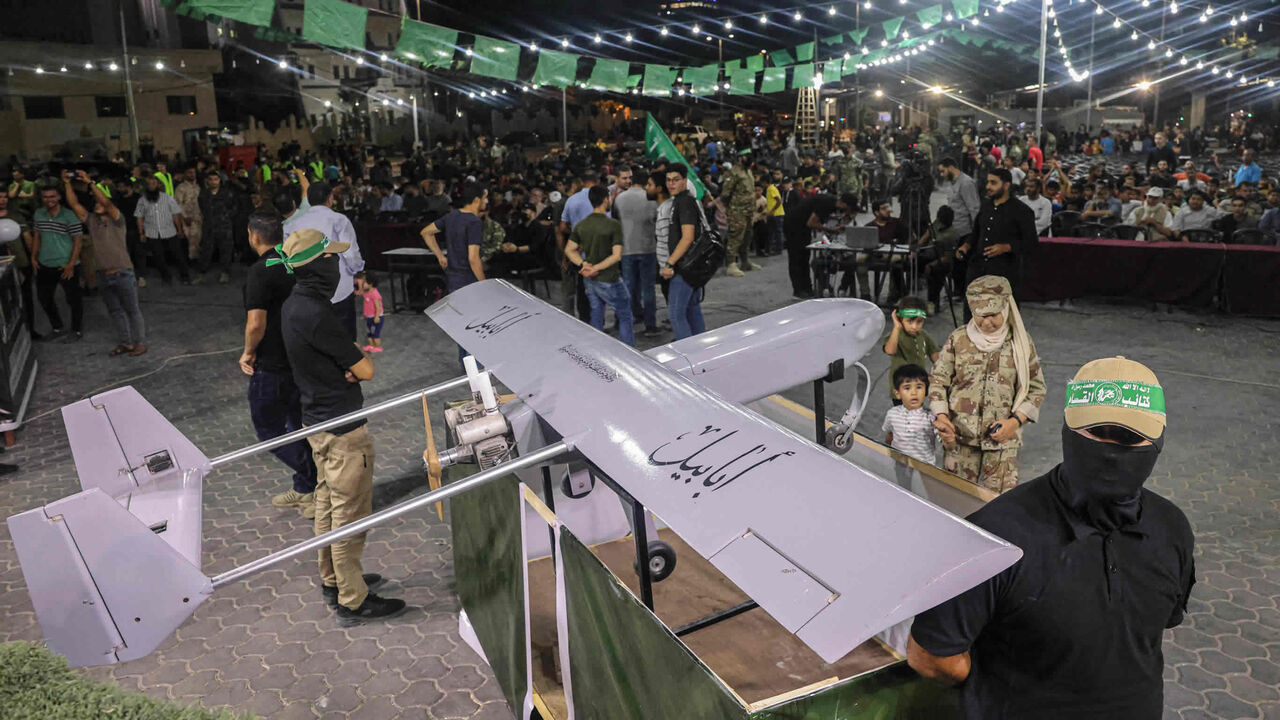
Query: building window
(346, 72)
(311, 71)
(43, 107)
(111, 106)
(335, 72)
(181, 104)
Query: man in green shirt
(596, 244)
(57, 237)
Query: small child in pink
(367, 288)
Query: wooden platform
(752, 653)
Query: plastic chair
(1064, 223)
(1126, 232)
(1203, 236)
(1094, 230)
(1250, 236)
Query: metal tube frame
(544, 454)
(715, 617)
(639, 530)
(338, 421)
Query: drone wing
(832, 552)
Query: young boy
(908, 343)
(366, 286)
(908, 427)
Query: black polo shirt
(320, 352)
(266, 288)
(1073, 629)
(1011, 222)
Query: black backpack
(704, 258)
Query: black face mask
(320, 276)
(153, 195)
(1103, 481)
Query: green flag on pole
(430, 45)
(965, 8)
(253, 12)
(334, 23)
(774, 80)
(658, 146)
(610, 75)
(555, 68)
(929, 16)
(495, 58)
(891, 27)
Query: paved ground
(268, 646)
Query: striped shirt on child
(913, 432)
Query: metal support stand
(639, 530)
(548, 495)
(715, 617)
(819, 412)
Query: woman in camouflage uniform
(985, 386)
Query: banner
(558, 69)
(857, 35)
(804, 53)
(773, 80)
(929, 16)
(658, 80)
(253, 12)
(965, 8)
(891, 27)
(610, 75)
(831, 72)
(495, 58)
(658, 145)
(743, 84)
(755, 63)
(781, 58)
(703, 80)
(802, 76)
(334, 23)
(430, 45)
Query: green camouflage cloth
(977, 389)
(995, 470)
(739, 197)
(848, 171)
(493, 238)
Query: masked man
(328, 369)
(1073, 629)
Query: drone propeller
(432, 458)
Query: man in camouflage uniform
(493, 235)
(848, 170)
(976, 395)
(738, 196)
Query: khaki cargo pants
(344, 494)
(736, 244)
(995, 470)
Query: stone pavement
(267, 645)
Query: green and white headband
(1116, 393)
(912, 313)
(300, 258)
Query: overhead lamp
(1146, 3)
(62, 69)
(831, 10)
(1199, 64)
(1144, 85)
(88, 66)
(359, 59)
(469, 52)
(159, 64)
(936, 89)
(327, 103)
(1151, 45)
(999, 8)
(596, 39)
(283, 64)
(1234, 22)
(1168, 52)
(728, 24)
(867, 5)
(1271, 83)
(629, 37)
(846, 56)
(1244, 17)
(533, 46)
(726, 86)
(764, 19)
(1230, 74)
(113, 67)
(1098, 10)
(564, 42)
(950, 17)
(1116, 24)
(1208, 9)
(664, 29)
(879, 92)
(696, 28)
(1133, 35)
(798, 15)
(1184, 60)
(884, 43)
(399, 101)
(1215, 70)
(708, 38)
(383, 56)
(39, 70)
(974, 22)
(385, 102)
(1173, 6)
(680, 92)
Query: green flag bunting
(658, 79)
(658, 145)
(495, 58)
(743, 84)
(891, 27)
(831, 72)
(930, 16)
(965, 8)
(703, 79)
(555, 68)
(802, 76)
(804, 53)
(851, 66)
(610, 75)
(334, 23)
(253, 12)
(857, 35)
(755, 63)
(430, 45)
(833, 39)
(781, 58)
(774, 80)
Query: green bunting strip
(334, 23)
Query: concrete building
(71, 100)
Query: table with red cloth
(1240, 278)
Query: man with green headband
(1073, 630)
(328, 368)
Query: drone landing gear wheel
(662, 561)
(836, 441)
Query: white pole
(128, 85)
(417, 145)
(1044, 39)
(1088, 109)
(564, 118)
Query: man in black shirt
(1073, 629)
(274, 403)
(328, 368)
(1004, 236)
(797, 229)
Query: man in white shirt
(1040, 205)
(337, 228)
(1197, 215)
(1153, 217)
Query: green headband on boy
(302, 257)
(1116, 393)
(905, 313)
